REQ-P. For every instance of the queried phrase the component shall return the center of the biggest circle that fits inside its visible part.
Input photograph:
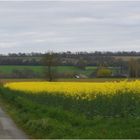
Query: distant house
(77, 76)
(82, 76)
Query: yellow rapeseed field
(84, 90)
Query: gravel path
(8, 129)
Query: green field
(9, 69)
(39, 69)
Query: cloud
(72, 25)
(79, 20)
(8, 45)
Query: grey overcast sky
(40, 26)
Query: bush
(104, 72)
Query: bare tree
(81, 64)
(133, 68)
(50, 61)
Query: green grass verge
(71, 80)
(51, 116)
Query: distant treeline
(96, 53)
(106, 64)
(70, 59)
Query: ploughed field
(75, 109)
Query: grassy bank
(47, 115)
(6, 80)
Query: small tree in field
(50, 63)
